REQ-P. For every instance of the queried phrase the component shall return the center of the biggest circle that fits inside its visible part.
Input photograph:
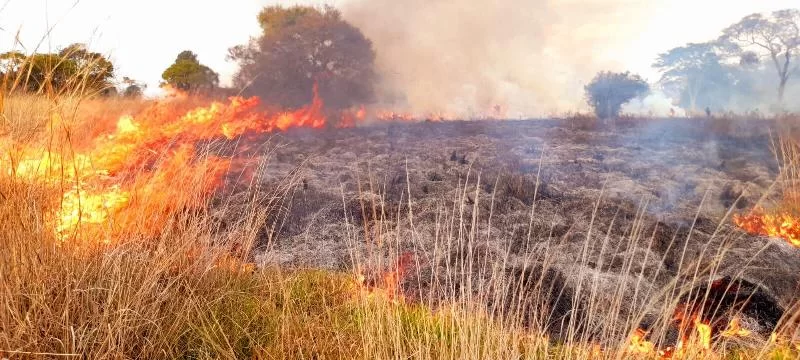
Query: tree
(697, 73)
(133, 88)
(188, 74)
(302, 46)
(72, 69)
(608, 91)
(775, 36)
(93, 68)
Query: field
(558, 238)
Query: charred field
(589, 224)
(663, 168)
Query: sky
(143, 37)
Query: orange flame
(145, 161)
(695, 335)
(782, 225)
(389, 281)
(638, 344)
(703, 333)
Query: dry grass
(189, 291)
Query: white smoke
(466, 57)
(655, 103)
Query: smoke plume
(466, 57)
(655, 103)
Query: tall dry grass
(462, 269)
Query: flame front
(144, 161)
(735, 329)
(388, 281)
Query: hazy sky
(143, 37)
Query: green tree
(188, 74)
(301, 46)
(697, 74)
(73, 69)
(608, 91)
(93, 69)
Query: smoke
(758, 92)
(655, 103)
(466, 57)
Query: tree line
(299, 47)
(751, 64)
(302, 46)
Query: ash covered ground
(651, 182)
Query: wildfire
(782, 225)
(146, 161)
(695, 335)
(388, 281)
(392, 116)
(639, 345)
(387, 115)
(703, 329)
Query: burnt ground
(651, 181)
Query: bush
(608, 91)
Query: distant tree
(301, 46)
(133, 88)
(73, 69)
(697, 73)
(188, 74)
(11, 62)
(608, 91)
(775, 36)
(133, 91)
(187, 55)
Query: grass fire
(421, 180)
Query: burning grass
(110, 251)
(781, 219)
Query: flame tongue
(782, 225)
(388, 282)
(695, 335)
(638, 344)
